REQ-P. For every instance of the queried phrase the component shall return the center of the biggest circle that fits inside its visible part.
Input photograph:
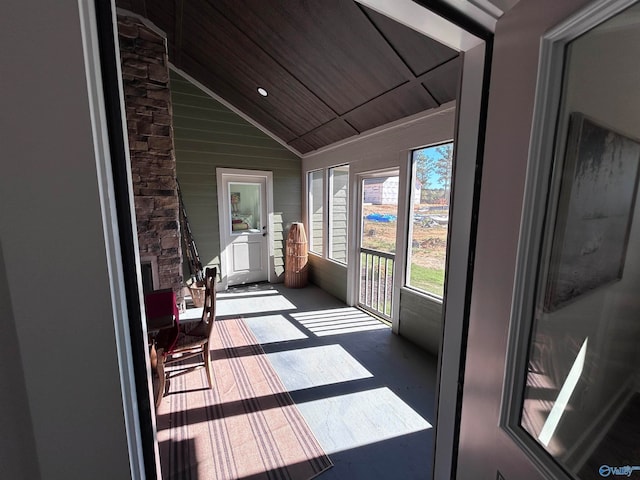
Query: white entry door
(243, 200)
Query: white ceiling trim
(432, 25)
(397, 124)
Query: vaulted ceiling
(332, 68)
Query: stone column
(145, 73)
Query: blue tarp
(381, 217)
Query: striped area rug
(246, 428)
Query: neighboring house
(384, 191)
(68, 398)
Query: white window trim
(409, 240)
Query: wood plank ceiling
(332, 68)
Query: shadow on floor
(367, 394)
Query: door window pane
(580, 399)
(431, 184)
(246, 207)
(316, 210)
(338, 213)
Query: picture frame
(595, 210)
(235, 201)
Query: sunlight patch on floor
(350, 421)
(241, 305)
(273, 328)
(316, 366)
(338, 321)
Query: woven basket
(197, 295)
(296, 268)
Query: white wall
(53, 242)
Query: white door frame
(223, 219)
(432, 25)
(469, 108)
(453, 346)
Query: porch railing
(376, 282)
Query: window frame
(327, 203)
(410, 223)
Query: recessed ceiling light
(262, 92)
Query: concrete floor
(367, 394)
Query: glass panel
(245, 200)
(380, 213)
(580, 400)
(430, 206)
(338, 213)
(316, 211)
(378, 244)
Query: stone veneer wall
(147, 99)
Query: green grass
(380, 244)
(427, 279)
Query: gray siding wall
(421, 320)
(328, 275)
(208, 136)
